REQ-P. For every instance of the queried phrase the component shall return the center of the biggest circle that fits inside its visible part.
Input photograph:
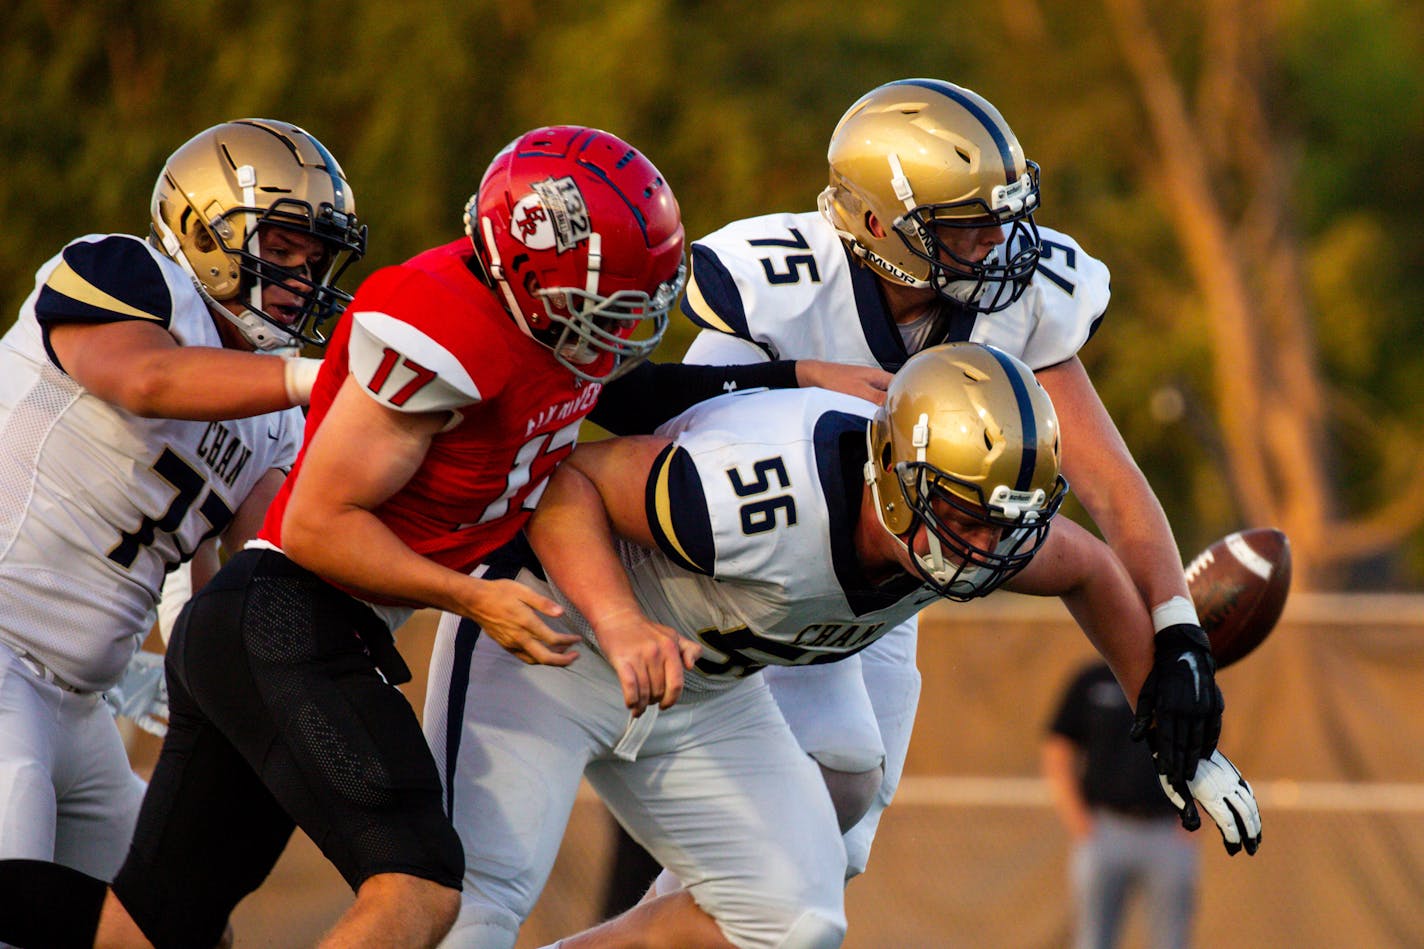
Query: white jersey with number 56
(754, 507)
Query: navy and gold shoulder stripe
(677, 512)
(712, 300)
(105, 281)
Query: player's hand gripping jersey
(761, 507)
(787, 284)
(76, 466)
(428, 336)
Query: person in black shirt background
(1126, 834)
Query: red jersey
(428, 335)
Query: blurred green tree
(1244, 168)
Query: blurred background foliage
(1249, 170)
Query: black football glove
(1179, 708)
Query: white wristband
(299, 375)
(1174, 612)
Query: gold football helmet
(922, 155)
(966, 440)
(222, 187)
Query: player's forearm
(571, 517)
(1095, 587)
(1136, 528)
(1111, 487)
(251, 513)
(355, 549)
(203, 383)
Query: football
(1239, 586)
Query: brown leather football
(1239, 585)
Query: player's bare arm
(1081, 570)
(140, 367)
(596, 493)
(1180, 709)
(1109, 484)
(361, 455)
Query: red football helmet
(584, 240)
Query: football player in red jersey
(452, 388)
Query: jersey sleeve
(740, 491)
(713, 301)
(402, 368)
(108, 279)
(418, 346)
(712, 348)
(1069, 296)
(677, 511)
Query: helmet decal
(553, 215)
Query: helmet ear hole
(885, 456)
(203, 240)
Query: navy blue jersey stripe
(881, 334)
(677, 512)
(997, 134)
(502, 564)
(1028, 422)
(719, 294)
(959, 322)
(839, 440)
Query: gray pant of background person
(1153, 856)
